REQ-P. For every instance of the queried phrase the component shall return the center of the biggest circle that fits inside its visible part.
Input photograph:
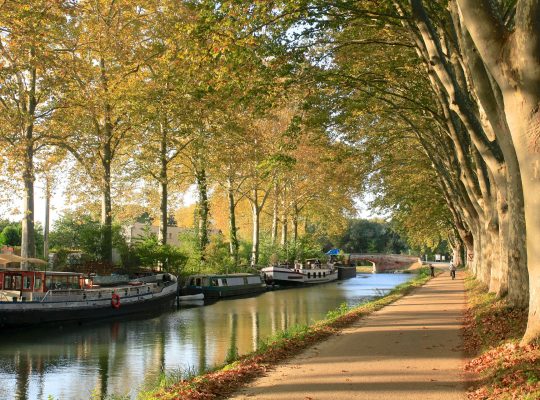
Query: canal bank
(280, 348)
(121, 358)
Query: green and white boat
(223, 285)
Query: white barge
(311, 272)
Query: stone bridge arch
(386, 262)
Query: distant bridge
(387, 262)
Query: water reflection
(121, 357)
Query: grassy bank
(285, 344)
(504, 369)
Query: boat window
(192, 282)
(17, 282)
(37, 283)
(205, 282)
(27, 282)
(198, 282)
(324, 274)
(62, 282)
(224, 282)
(320, 274)
(309, 275)
(254, 279)
(7, 282)
(214, 282)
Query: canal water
(121, 358)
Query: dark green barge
(216, 286)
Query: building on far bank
(138, 231)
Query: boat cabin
(40, 281)
(223, 280)
(311, 263)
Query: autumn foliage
(503, 368)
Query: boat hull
(222, 292)
(346, 272)
(297, 277)
(18, 314)
(191, 297)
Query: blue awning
(332, 252)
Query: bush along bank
(504, 369)
(285, 344)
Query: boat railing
(100, 293)
(46, 295)
(5, 297)
(61, 295)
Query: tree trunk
(469, 258)
(295, 224)
(500, 285)
(47, 219)
(164, 213)
(474, 254)
(233, 245)
(523, 119)
(163, 181)
(255, 212)
(518, 276)
(106, 160)
(28, 246)
(275, 212)
(457, 252)
(203, 211)
(106, 209)
(284, 222)
(510, 207)
(284, 229)
(512, 59)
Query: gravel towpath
(408, 350)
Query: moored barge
(215, 286)
(309, 273)
(39, 297)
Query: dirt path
(408, 350)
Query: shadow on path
(410, 349)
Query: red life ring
(115, 301)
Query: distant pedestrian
(432, 269)
(452, 270)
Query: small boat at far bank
(215, 286)
(191, 297)
(39, 297)
(309, 273)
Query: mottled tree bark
(203, 210)
(47, 219)
(512, 58)
(164, 185)
(275, 218)
(256, 214)
(233, 243)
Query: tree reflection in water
(108, 357)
